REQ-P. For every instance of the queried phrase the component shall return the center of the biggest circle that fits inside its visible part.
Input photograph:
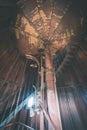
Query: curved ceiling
(42, 24)
(38, 26)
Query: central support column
(42, 98)
(53, 105)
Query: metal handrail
(14, 112)
(19, 123)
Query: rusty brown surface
(53, 108)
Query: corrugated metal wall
(72, 92)
(73, 107)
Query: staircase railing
(14, 112)
(19, 125)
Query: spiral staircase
(43, 54)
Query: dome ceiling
(38, 26)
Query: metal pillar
(53, 105)
(42, 96)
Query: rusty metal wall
(73, 107)
(72, 92)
